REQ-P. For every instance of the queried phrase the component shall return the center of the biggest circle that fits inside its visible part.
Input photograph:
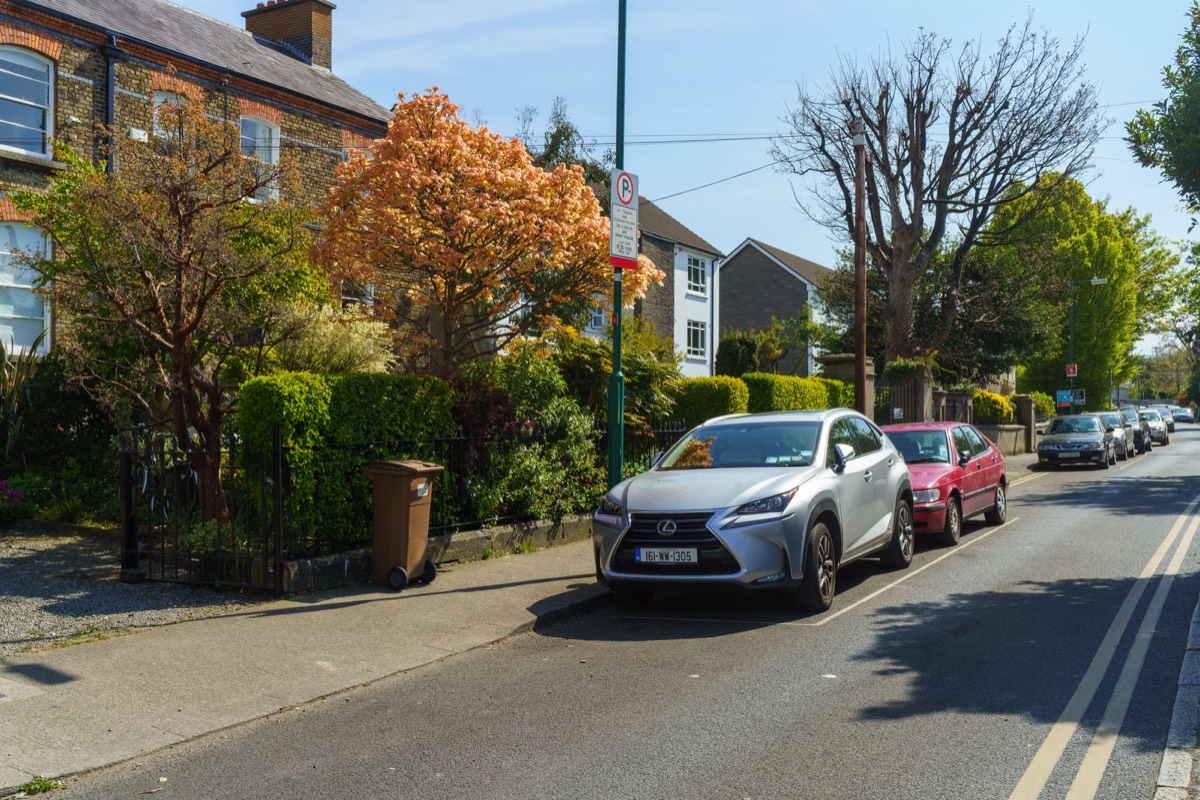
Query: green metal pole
(1071, 337)
(616, 384)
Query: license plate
(1068, 455)
(666, 555)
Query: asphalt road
(1036, 659)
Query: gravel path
(61, 588)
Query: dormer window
(25, 101)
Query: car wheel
(631, 595)
(999, 511)
(819, 577)
(1112, 459)
(1166, 440)
(1124, 454)
(899, 552)
(950, 534)
(1104, 461)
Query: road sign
(1063, 397)
(1080, 397)
(623, 227)
(1072, 370)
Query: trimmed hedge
(698, 399)
(334, 425)
(841, 394)
(785, 392)
(1044, 404)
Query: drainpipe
(111, 53)
(712, 319)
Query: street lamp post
(1071, 312)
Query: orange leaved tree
(467, 242)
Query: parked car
(1165, 413)
(1141, 429)
(758, 501)
(1122, 433)
(1182, 414)
(956, 473)
(1077, 439)
(1158, 426)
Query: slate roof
(654, 221)
(189, 34)
(811, 271)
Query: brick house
(68, 66)
(684, 308)
(759, 282)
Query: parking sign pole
(616, 384)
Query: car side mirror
(657, 458)
(1110, 430)
(841, 454)
(963, 458)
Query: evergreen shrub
(987, 405)
(698, 399)
(784, 392)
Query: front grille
(690, 531)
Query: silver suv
(758, 501)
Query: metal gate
(181, 528)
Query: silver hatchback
(758, 501)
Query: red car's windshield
(921, 447)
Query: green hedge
(698, 399)
(841, 394)
(785, 392)
(1045, 405)
(333, 426)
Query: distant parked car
(758, 501)
(1077, 439)
(956, 472)
(1158, 426)
(1165, 413)
(1141, 429)
(1122, 433)
(1182, 414)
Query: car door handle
(867, 475)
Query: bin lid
(410, 466)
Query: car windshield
(1129, 415)
(755, 444)
(921, 447)
(1112, 420)
(1151, 415)
(1074, 425)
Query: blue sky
(703, 69)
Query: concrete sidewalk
(77, 708)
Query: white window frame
(697, 328)
(161, 99)
(30, 58)
(7, 249)
(697, 276)
(272, 147)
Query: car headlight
(774, 504)
(926, 495)
(1094, 446)
(610, 513)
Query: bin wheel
(429, 574)
(397, 578)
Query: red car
(957, 473)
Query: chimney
(304, 25)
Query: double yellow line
(1095, 761)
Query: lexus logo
(666, 527)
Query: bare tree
(951, 140)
